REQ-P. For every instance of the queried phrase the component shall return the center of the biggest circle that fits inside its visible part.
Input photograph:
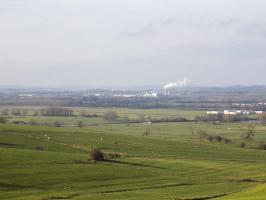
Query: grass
(169, 163)
(132, 114)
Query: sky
(107, 43)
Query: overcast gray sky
(132, 42)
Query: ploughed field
(144, 161)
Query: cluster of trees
(84, 113)
(15, 112)
(168, 119)
(54, 111)
(110, 116)
(220, 117)
(142, 118)
(97, 155)
(204, 135)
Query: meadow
(155, 161)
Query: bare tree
(83, 113)
(262, 118)
(25, 112)
(3, 120)
(248, 132)
(16, 112)
(5, 112)
(141, 118)
(81, 124)
(35, 113)
(110, 116)
(126, 118)
(57, 124)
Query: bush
(16, 112)
(2, 120)
(39, 148)
(32, 122)
(147, 131)
(243, 145)
(227, 141)
(81, 124)
(110, 116)
(54, 111)
(210, 138)
(5, 112)
(262, 146)
(167, 119)
(262, 119)
(248, 132)
(36, 113)
(218, 138)
(125, 118)
(141, 118)
(57, 124)
(203, 134)
(97, 155)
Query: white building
(213, 112)
(230, 112)
(150, 94)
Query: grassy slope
(171, 163)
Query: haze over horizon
(128, 43)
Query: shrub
(81, 124)
(57, 124)
(210, 138)
(115, 155)
(16, 112)
(226, 140)
(248, 132)
(54, 111)
(203, 134)
(110, 116)
(97, 155)
(83, 113)
(39, 148)
(243, 145)
(36, 113)
(262, 119)
(125, 118)
(5, 112)
(218, 138)
(2, 120)
(147, 131)
(141, 118)
(32, 122)
(262, 146)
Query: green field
(171, 162)
(132, 114)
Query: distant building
(150, 94)
(213, 112)
(25, 95)
(230, 112)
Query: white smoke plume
(176, 84)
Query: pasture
(156, 161)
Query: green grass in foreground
(170, 163)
